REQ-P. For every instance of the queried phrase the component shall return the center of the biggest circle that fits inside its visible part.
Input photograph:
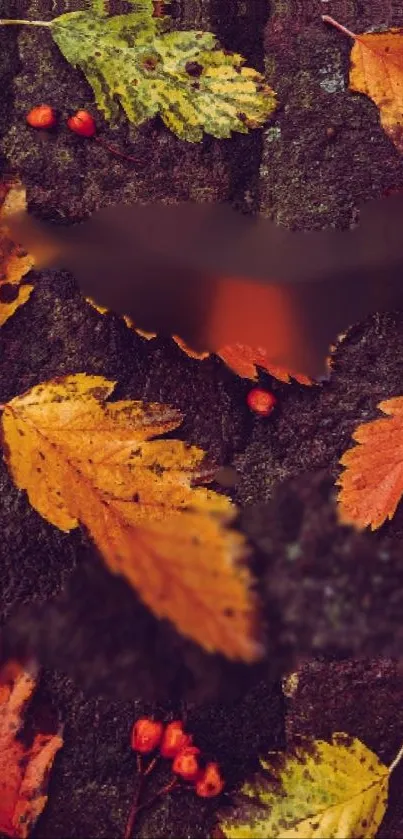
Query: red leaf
(23, 771)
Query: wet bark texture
(326, 590)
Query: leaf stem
(19, 22)
(333, 22)
(397, 760)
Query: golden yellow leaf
(334, 790)
(377, 71)
(84, 460)
(372, 483)
(14, 263)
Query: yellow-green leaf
(334, 790)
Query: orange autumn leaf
(241, 359)
(84, 460)
(244, 361)
(183, 346)
(23, 770)
(372, 483)
(377, 71)
(101, 309)
(188, 350)
(14, 263)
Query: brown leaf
(372, 483)
(82, 459)
(377, 71)
(23, 771)
(14, 263)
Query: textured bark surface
(326, 590)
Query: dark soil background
(332, 597)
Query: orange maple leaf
(372, 483)
(84, 460)
(14, 263)
(377, 71)
(23, 770)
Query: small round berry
(43, 116)
(261, 401)
(174, 740)
(186, 763)
(82, 123)
(146, 735)
(211, 783)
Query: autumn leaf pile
(110, 468)
(134, 494)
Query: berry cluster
(175, 744)
(82, 123)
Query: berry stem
(134, 809)
(136, 795)
(151, 766)
(115, 151)
(333, 22)
(19, 22)
(163, 791)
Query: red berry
(174, 740)
(43, 116)
(211, 782)
(146, 735)
(186, 763)
(82, 123)
(261, 401)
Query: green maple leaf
(131, 61)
